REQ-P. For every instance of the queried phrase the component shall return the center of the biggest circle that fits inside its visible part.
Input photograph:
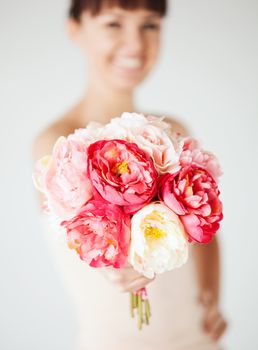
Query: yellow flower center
(111, 242)
(189, 191)
(45, 160)
(74, 245)
(121, 168)
(152, 232)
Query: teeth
(129, 62)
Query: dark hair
(95, 6)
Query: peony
(38, 175)
(158, 240)
(63, 179)
(194, 154)
(122, 173)
(164, 150)
(193, 194)
(100, 233)
(89, 134)
(151, 134)
(129, 124)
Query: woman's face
(121, 45)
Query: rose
(193, 194)
(100, 233)
(151, 134)
(194, 154)
(122, 173)
(63, 179)
(158, 240)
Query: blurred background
(207, 77)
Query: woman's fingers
(214, 322)
(126, 279)
(210, 317)
(138, 283)
(218, 327)
(127, 265)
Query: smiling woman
(125, 43)
(120, 41)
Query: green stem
(147, 316)
(139, 312)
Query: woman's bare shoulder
(176, 125)
(44, 141)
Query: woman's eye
(113, 25)
(151, 26)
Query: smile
(129, 63)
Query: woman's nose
(133, 42)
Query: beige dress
(104, 321)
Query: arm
(207, 266)
(206, 256)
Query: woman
(121, 41)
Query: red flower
(193, 194)
(100, 234)
(122, 173)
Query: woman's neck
(100, 104)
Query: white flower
(88, 135)
(124, 127)
(158, 240)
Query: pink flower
(122, 173)
(193, 194)
(163, 149)
(194, 154)
(100, 233)
(64, 178)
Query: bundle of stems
(139, 302)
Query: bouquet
(132, 191)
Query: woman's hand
(125, 279)
(213, 320)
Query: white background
(207, 77)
